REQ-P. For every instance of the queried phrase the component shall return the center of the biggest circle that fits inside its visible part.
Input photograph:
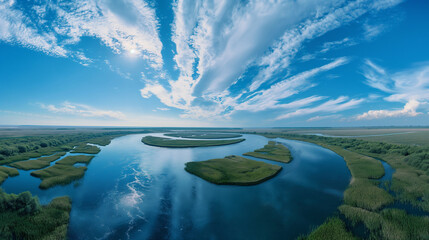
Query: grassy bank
(22, 217)
(272, 151)
(203, 135)
(63, 172)
(177, 143)
(333, 228)
(365, 201)
(85, 148)
(37, 163)
(233, 170)
(6, 172)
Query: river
(135, 191)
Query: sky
(220, 63)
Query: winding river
(135, 191)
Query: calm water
(135, 191)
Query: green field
(203, 135)
(37, 163)
(272, 151)
(233, 170)
(22, 217)
(177, 143)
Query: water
(136, 191)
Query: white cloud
(123, 26)
(332, 106)
(267, 99)
(372, 31)
(409, 110)
(163, 109)
(410, 87)
(83, 110)
(217, 41)
(320, 118)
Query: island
(62, 172)
(233, 170)
(272, 151)
(178, 143)
(203, 135)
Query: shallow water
(136, 191)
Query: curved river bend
(135, 191)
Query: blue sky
(300, 63)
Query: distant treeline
(416, 156)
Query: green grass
(58, 174)
(13, 149)
(42, 222)
(6, 172)
(233, 170)
(272, 151)
(333, 228)
(85, 148)
(203, 135)
(37, 163)
(365, 194)
(71, 160)
(63, 172)
(175, 143)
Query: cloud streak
(219, 43)
(135, 30)
(83, 110)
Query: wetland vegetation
(85, 148)
(62, 172)
(6, 172)
(233, 170)
(22, 217)
(365, 201)
(39, 163)
(272, 151)
(203, 135)
(178, 143)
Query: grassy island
(6, 172)
(37, 163)
(176, 143)
(63, 172)
(272, 151)
(233, 170)
(22, 217)
(85, 148)
(203, 135)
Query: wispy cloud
(372, 31)
(217, 42)
(83, 110)
(320, 118)
(123, 26)
(332, 106)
